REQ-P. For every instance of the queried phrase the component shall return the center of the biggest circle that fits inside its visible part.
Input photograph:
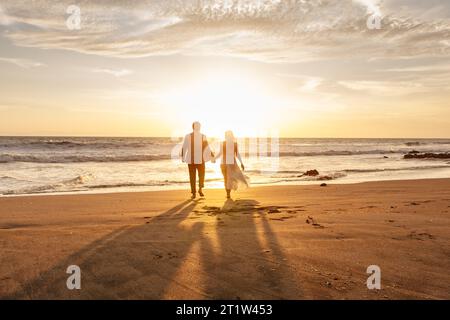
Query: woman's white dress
(235, 178)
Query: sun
(224, 102)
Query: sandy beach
(284, 242)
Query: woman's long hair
(229, 137)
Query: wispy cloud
(23, 63)
(271, 30)
(311, 84)
(443, 67)
(114, 72)
(384, 88)
(373, 6)
(308, 84)
(4, 19)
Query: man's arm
(184, 149)
(205, 141)
(215, 157)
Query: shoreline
(186, 188)
(271, 242)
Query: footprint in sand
(281, 218)
(310, 220)
(279, 213)
(207, 208)
(9, 226)
(210, 210)
(369, 207)
(340, 236)
(420, 236)
(270, 209)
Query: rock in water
(428, 155)
(311, 173)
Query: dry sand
(286, 242)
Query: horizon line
(168, 137)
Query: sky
(296, 68)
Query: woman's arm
(238, 155)
(218, 155)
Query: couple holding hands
(196, 152)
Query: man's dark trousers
(193, 169)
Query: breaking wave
(5, 158)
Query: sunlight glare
(225, 102)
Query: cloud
(267, 30)
(384, 88)
(308, 84)
(115, 72)
(373, 6)
(311, 84)
(4, 19)
(23, 63)
(434, 68)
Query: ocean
(54, 165)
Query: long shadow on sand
(188, 252)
